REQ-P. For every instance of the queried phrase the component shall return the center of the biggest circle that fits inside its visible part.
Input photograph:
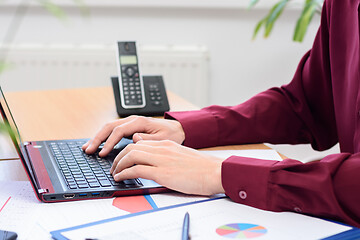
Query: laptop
(60, 171)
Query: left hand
(170, 164)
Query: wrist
(181, 133)
(214, 181)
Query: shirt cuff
(200, 127)
(246, 180)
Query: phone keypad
(154, 94)
(131, 85)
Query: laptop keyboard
(85, 171)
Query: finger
(126, 150)
(100, 137)
(137, 156)
(169, 147)
(118, 133)
(123, 152)
(85, 145)
(145, 136)
(138, 171)
(104, 133)
(157, 143)
(137, 137)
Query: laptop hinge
(41, 191)
(31, 168)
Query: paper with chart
(22, 213)
(215, 219)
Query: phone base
(155, 97)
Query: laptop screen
(8, 120)
(13, 131)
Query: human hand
(171, 165)
(142, 128)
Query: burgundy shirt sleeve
(323, 188)
(319, 106)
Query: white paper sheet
(22, 213)
(19, 210)
(168, 199)
(210, 220)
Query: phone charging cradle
(156, 104)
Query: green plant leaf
(83, 8)
(257, 28)
(273, 15)
(5, 128)
(253, 3)
(311, 6)
(3, 66)
(2, 127)
(53, 9)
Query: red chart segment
(132, 204)
(241, 230)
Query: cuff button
(242, 195)
(297, 209)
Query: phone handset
(131, 85)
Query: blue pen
(185, 228)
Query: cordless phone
(131, 85)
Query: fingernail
(89, 146)
(116, 177)
(87, 143)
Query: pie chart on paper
(241, 230)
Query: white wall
(239, 67)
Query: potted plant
(310, 8)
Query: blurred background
(203, 48)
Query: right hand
(142, 128)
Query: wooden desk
(69, 114)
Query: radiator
(185, 69)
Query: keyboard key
(73, 186)
(88, 174)
(130, 182)
(116, 183)
(83, 185)
(105, 183)
(94, 184)
(93, 180)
